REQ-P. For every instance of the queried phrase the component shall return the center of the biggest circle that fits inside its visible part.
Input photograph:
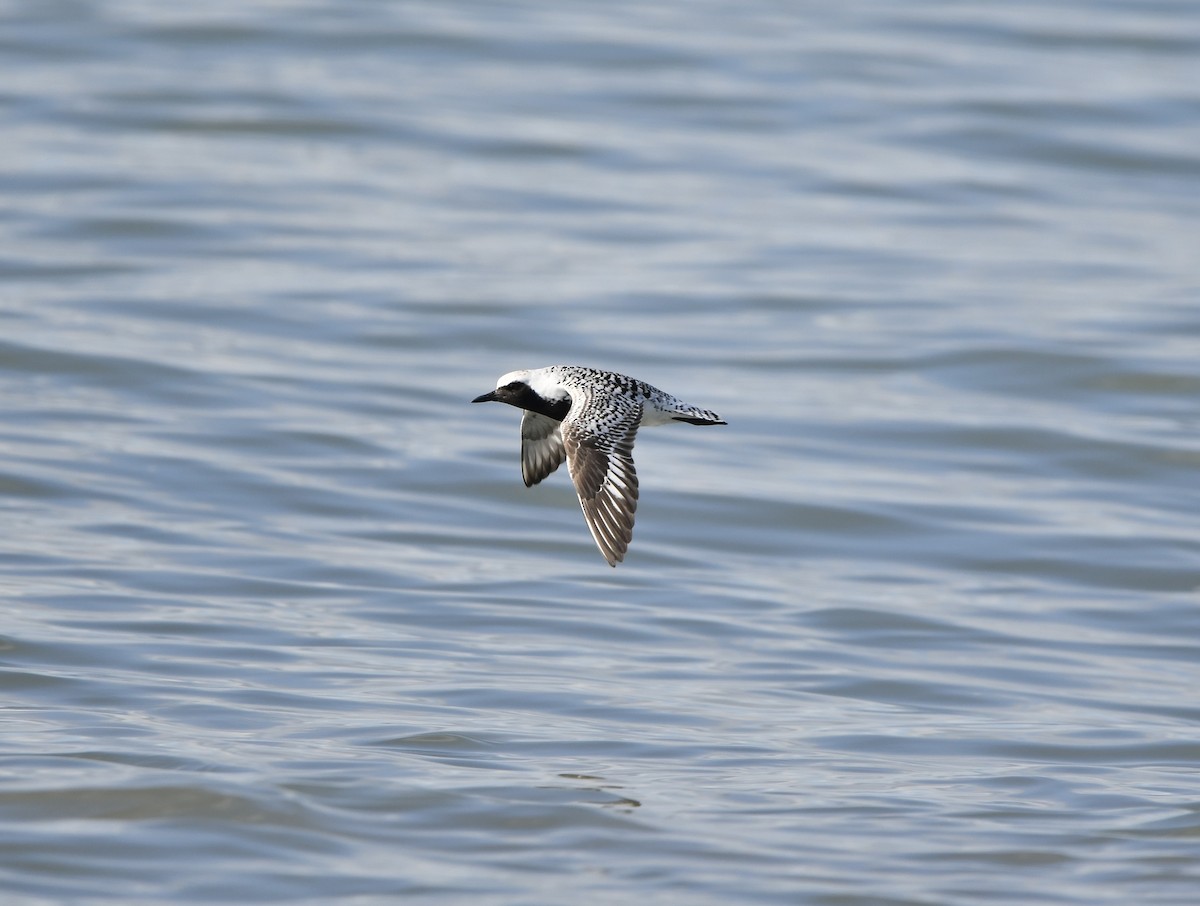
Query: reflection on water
(281, 621)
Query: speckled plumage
(590, 418)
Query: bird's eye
(514, 387)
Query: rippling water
(281, 622)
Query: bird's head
(529, 390)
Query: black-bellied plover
(590, 418)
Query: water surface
(281, 621)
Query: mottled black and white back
(590, 418)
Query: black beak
(486, 398)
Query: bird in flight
(590, 418)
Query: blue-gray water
(280, 620)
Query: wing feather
(600, 460)
(541, 447)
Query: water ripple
(282, 621)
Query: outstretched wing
(599, 452)
(541, 447)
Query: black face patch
(521, 395)
(556, 409)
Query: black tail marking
(698, 421)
